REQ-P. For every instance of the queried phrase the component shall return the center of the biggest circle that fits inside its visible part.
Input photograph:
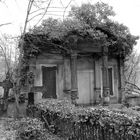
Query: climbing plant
(90, 22)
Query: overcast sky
(14, 11)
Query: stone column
(95, 93)
(74, 84)
(67, 77)
(105, 79)
(31, 75)
(120, 79)
(97, 85)
(30, 79)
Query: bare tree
(132, 67)
(8, 51)
(3, 24)
(32, 4)
(35, 10)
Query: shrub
(88, 123)
(29, 129)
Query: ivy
(78, 122)
(28, 129)
(88, 22)
(91, 22)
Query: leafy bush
(87, 123)
(29, 129)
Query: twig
(66, 8)
(27, 15)
(46, 122)
(34, 17)
(44, 12)
(5, 24)
(61, 3)
(5, 57)
(37, 10)
(132, 84)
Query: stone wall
(89, 74)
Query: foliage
(92, 22)
(29, 129)
(4, 133)
(92, 15)
(78, 122)
(26, 128)
(88, 22)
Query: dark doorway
(30, 98)
(110, 80)
(49, 82)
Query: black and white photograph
(69, 70)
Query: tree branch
(27, 15)
(5, 24)
(132, 85)
(44, 12)
(5, 57)
(34, 17)
(66, 8)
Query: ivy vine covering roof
(88, 22)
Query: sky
(14, 12)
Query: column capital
(73, 54)
(105, 50)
